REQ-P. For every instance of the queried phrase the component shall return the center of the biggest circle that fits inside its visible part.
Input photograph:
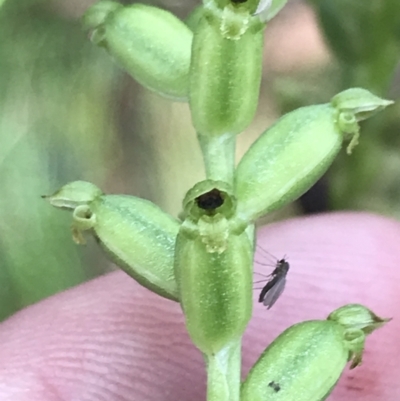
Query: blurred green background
(67, 112)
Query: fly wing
(266, 288)
(273, 293)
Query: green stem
(223, 373)
(219, 156)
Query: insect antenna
(267, 253)
(262, 274)
(260, 281)
(265, 264)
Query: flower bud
(288, 158)
(304, 362)
(225, 71)
(97, 14)
(74, 194)
(213, 267)
(152, 44)
(356, 316)
(136, 235)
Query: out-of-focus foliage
(365, 42)
(364, 37)
(55, 125)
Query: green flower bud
(292, 155)
(304, 362)
(213, 267)
(152, 44)
(225, 71)
(97, 14)
(136, 234)
(265, 9)
(356, 316)
(74, 194)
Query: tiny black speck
(275, 386)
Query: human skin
(112, 340)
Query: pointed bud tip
(356, 316)
(74, 194)
(98, 13)
(360, 101)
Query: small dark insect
(210, 200)
(275, 386)
(275, 286)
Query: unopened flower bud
(225, 71)
(306, 360)
(135, 233)
(97, 14)
(356, 316)
(152, 44)
(289, 157)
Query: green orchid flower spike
(204, 259)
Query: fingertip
(109, 337)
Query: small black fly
(276, 284)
